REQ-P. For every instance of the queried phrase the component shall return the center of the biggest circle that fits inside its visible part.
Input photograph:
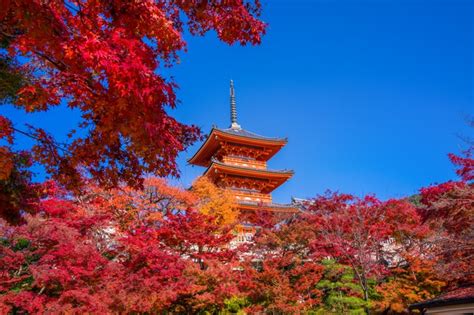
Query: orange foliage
(130, 205)
(158, 199)
(215, 201)
(414, 282)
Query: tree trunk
(366, 295)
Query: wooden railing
(252, 196)
(244, 162)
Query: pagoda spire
(233, 108)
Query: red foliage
(18, 194)
(101, 57)
(448, 209)
(347, 226)
(194, 235)
(278, 274)
(72, 257)
(366, 234)
(465, 165)
(450, 204)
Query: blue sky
(372, 95)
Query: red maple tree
(365, 233)
(103, 58)
(278, 274)
(448, 209)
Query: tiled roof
(215, 161)
(211, 144)
(461, 295)
(248, 134)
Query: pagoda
(236, 159)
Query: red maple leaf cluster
(101, 58)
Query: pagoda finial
(233, 108)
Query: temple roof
(261, 148)
(245, 133)
(251, 170)
(238, 136)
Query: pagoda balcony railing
(244, 190)
(242, 195)
(241, 157)
(245, 162)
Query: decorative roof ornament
(233, 108)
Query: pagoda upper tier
(237, 142)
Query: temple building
(236, 159)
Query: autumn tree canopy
(76, 255)
(152, 250)
(104, 58)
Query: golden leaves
(215, 201)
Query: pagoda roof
(234, 135)
(277, 177)
(250, 170)
(245, 133)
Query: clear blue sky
(372, 95)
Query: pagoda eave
(218, 137)
(235, 176)
(217, 166)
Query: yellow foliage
(215, 201)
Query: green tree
(341, 292)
